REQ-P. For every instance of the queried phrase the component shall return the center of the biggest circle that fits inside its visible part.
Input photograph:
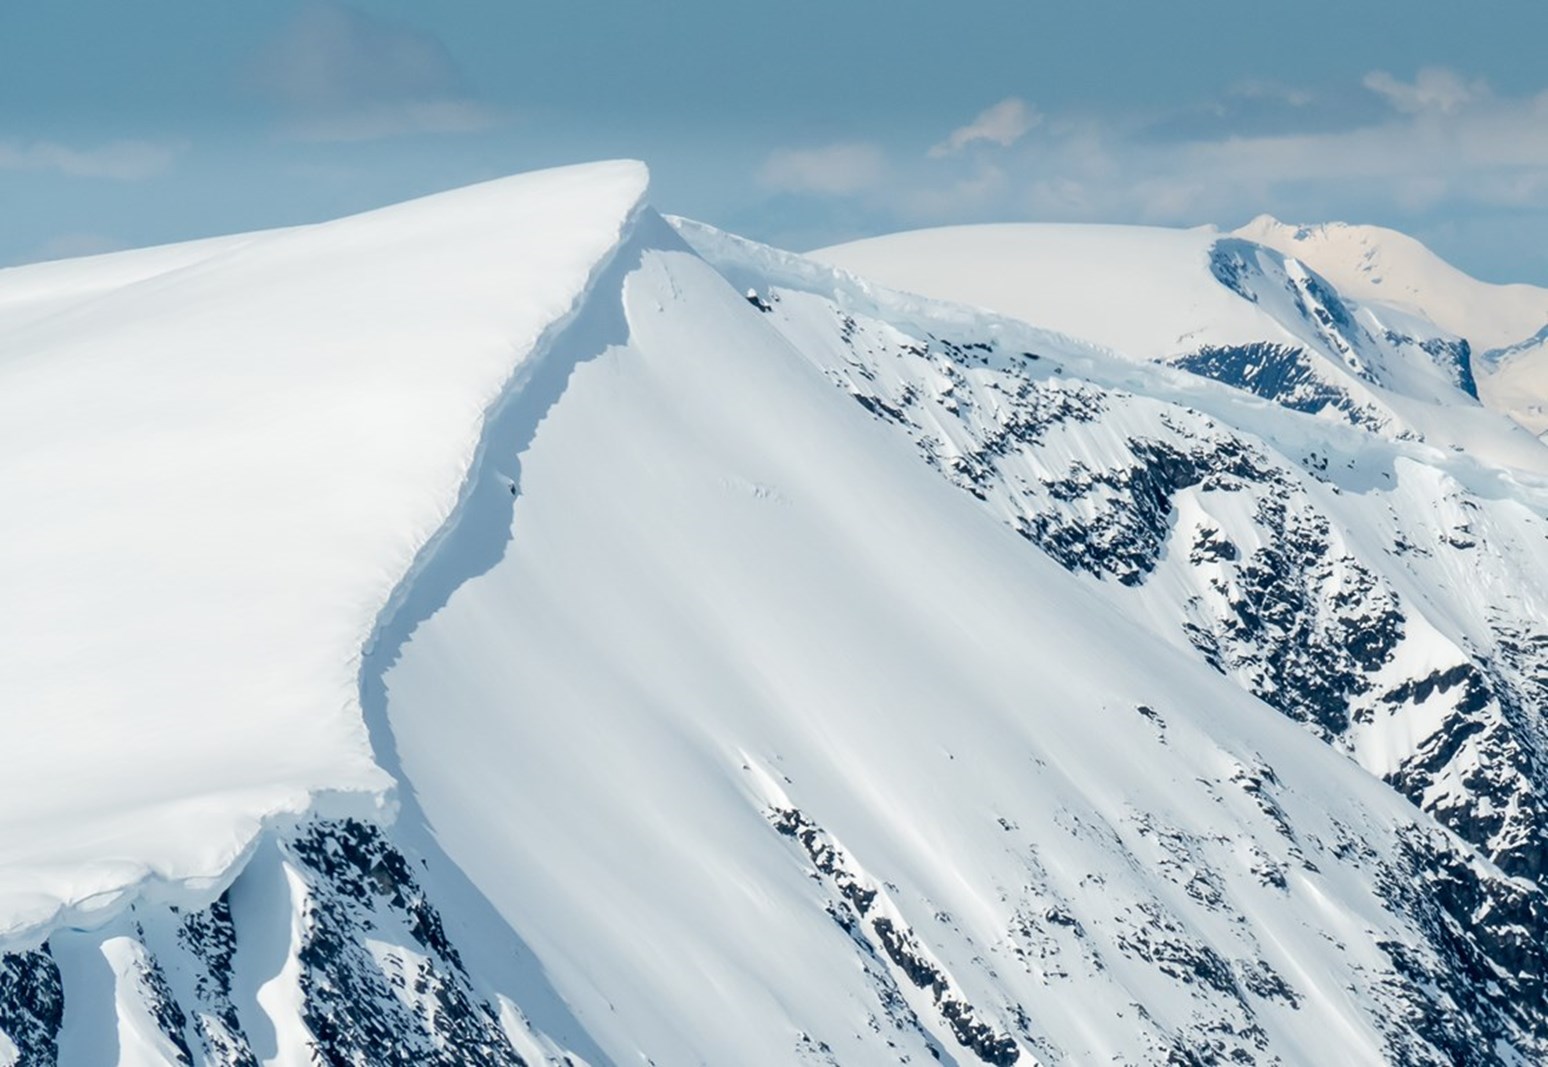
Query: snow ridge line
(1286, 432)
(522, 374)
(197, 892)
(194, 892)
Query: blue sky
(802, 123)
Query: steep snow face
(1505, 325)
(834, 676)
(1321, 569)
(1515, 380)
(828, 765)
(1219, 306)
(1377, 590)
(219, 461)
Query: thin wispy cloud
(1434, 90)
(969, 194)
(126, 160)
(1437, 142)
(828, 170)
(1257, 89)
(1003, 124)
(1448, 139)
(373, 122)
(345, 75)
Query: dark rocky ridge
(362, 1004)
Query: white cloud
(1003, 124)
(1257, 89)
(1430, 145)
(344, 75)
(1449, 144)
(1448, 153)
(120, 160)
(1434, 90)
(830, 170)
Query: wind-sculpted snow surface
(218, 461)
(817, 756)
(833, 676)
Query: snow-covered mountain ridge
(1093, 515)
(1378, 264)
(1135, 289)
(822, 675)
(1505, 325)
(217, 516)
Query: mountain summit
(515, 627)
(1505, 325)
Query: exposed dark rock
(407, 1008)
(31, 1006)
(1479, 979)
(1285, 374)
(896, 941)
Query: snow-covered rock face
(1504, 325)
(827, 675)
(1219, 306)
(1370, 263)
(1394, 604)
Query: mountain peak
(510, 628)
(317, 395)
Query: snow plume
(1434, 90)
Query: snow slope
(823, 676)
(726, 601)
(220, 460)
(1375, 263)
(1129, 288)
(1418, 555)
(1504, 324)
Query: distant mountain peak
(1383, 265)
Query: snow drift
(221, 461)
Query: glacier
(516, 627)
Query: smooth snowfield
(218, 462)
(1134, 289)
